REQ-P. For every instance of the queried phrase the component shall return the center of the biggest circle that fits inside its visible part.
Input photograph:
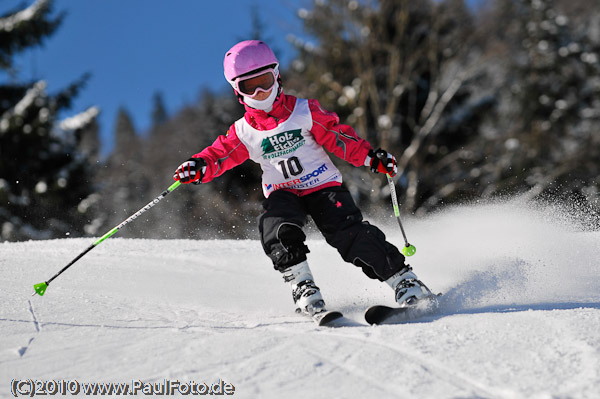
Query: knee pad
(286, 245)
(284, 257)
(289, 233)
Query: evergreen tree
(159, 111)
(21, 29)
(88, 134)
(43, 176)
(124, 133)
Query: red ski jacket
(341, 140)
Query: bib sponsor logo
(282, 143)
(303, 182)
(314, 173)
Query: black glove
(191, 171)
(381, 161)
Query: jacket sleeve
(225, 153)
(340, 140)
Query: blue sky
(134, 48)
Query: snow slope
(520, 317)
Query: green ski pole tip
(409, 250)
(40, 288)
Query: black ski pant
(339, 220)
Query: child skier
(287, 136)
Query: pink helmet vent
(246, 57)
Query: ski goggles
(251, 85)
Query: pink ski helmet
(247, 56)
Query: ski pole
(40, 288)
(408, 250)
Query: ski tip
(323, 319)
(382, 314)
(376, 313)
(40, 289)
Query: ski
(381, 314)
(319, 314)
(326, 318)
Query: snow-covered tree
(43, 176)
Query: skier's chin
(264, 100)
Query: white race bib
(289, 155)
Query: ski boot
(408, 288)
(306, 294)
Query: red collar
(261, 120)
